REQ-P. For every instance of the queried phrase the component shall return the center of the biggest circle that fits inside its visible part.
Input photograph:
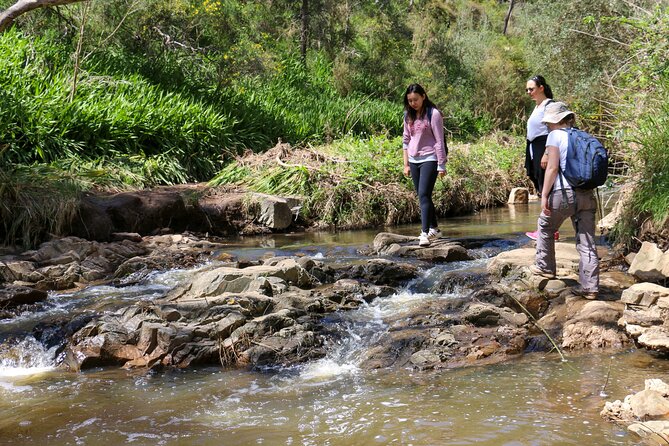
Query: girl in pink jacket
(425, 154)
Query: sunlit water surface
(536, 400)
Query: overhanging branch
(10, 14)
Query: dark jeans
(533, 164)
(424, 175)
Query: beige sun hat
(556, 112)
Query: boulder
(519, 195)
(91, 221)
(653, 432)
(655, 338)
(645, 294)
(645, 315)
(649, 405)
(234, 280)
(650, 264)
(276, 212)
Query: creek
(535, 400)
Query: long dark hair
(409, 112)
(541, 82)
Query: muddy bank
(196, 208)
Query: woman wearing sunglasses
(537, 132)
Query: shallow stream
(536, 400)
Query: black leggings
(424, 175)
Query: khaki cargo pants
(581, 207)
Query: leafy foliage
(170, 91)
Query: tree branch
(10, 14)
(596, 36)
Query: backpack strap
(560, 175)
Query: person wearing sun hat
(560, 201)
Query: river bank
(348, 184)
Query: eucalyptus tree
(7, 16)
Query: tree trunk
(10, 14)
(508, 16)
(304, 34)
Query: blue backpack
(587, 160)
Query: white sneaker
(433, 233)
(423, 239)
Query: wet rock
(56, 333)
(394, 349)
(350, 293)
(448, 333)
(460, 281)
(426, 359)
(378, 271)
(232, 329)
(440, 250)
(482, 315)
(12, 296)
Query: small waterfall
(354, 332)
(25, 357)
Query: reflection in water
(537, 400)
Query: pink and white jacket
(424, 140)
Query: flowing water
(536, 400)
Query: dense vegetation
(130, 93)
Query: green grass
(648, 209)
(354, 183)
(30, 210)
